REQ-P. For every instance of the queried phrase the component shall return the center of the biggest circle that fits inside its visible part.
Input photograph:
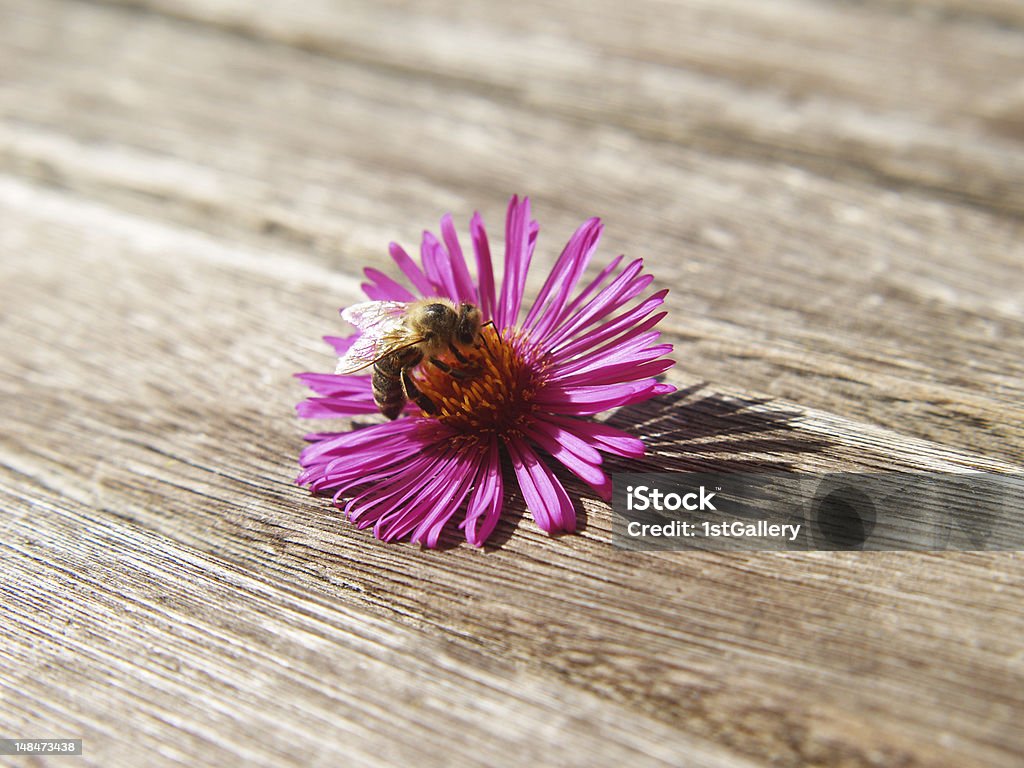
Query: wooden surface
(188, 190)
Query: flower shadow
(685, 431)
(688, 431)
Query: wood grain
(188, 191)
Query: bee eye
(436, 310)
(469, 322)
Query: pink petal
(594, 284)
(564, 276)
(544, 495)
(628, 346)
(438, 267)
(355, 471)
(557, 433)
(334, 384)
(407, 476)
(329, 408)
(403, 518)
(520, 235)
(379, 484)
(601, 436)
(463, 283)
(429, 529)
(555, 394)
(626, 323)
(578, 457)
(374, 292)
(637, 369)
(622, 289)
(399, 429)
(613, 374)
(341, 344)
(484, 270)
(411, 270)
(354, 465)
(584, 401)
(386, 289)
(387, 496)
(484, 507)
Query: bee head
(468, 325)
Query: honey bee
(397, 336)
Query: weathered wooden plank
(188, 192)
(733, 77)
(166, 585)
(897, 307)
(161, 654)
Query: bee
(397, 336)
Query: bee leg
(458, 355)
(442, 366)
(454, 372)
(413, 393)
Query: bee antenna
(483, 337)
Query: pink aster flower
(526, 388)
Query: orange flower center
(490, 394)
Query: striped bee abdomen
(391, 380)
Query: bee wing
(377, 320)
(368, 315)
